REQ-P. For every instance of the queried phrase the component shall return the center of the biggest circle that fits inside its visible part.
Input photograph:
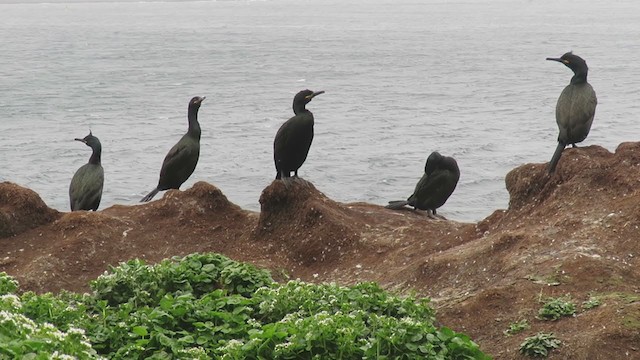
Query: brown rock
(575, 232)
(21, 209)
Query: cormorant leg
(432, 214)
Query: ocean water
(402, 78)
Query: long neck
(580, 76)
(299, 108)
(194, 125)
(96, 154)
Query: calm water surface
(402, 79)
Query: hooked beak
(81, 140)
(315, 94)
(558, 60)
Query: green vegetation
(539, 344)
(555, 308)
(591, 303)
(516, 327)
(207, 306)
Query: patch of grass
(624, 297)
(549, 280)
(631, 322)
(539, 344)
(553, 278)
(555, 308)
(591, 303)
(516, 327)
(631, 318)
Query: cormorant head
(573, 62)
(90, 140)
(304, 96)
(433, 162)
(196, 101)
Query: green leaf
(140, 330)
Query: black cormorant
(293, 139)
(182, 159)
(575, 108)
(441, 175)
(85, 191)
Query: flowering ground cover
(205, 306)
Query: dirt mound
(297, 219)
(573, 233)
(22, 209)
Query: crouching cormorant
(576, 107)
(85, 191)
(182, 159)
(441, 175)
(293, 139)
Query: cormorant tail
(150, 195)
(556, 157)
(397, 204)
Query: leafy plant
(539, 344)
(205, 306)
(555, 308)
(591, 303)
(8, 285)
(24, 338)
(516, 327)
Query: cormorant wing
(85, 190)
(575, 112)
(432, 187)
(179, 154)
(282, 139)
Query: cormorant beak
(81, 140)
(315, 94)
(202, 99)
(559, 60)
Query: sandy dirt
(575, 233)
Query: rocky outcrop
(574, 233)
(22, 209)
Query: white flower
(73, 330)
(232, 345)
(11, 300)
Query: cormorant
(85, 191)
(575, 108)
(293, 139)
(441, 175)
(182, 159)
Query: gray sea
(402, 78)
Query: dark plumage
(441, 175)
(85, 191)
(182, 159)
(293, 139)
(576, 107)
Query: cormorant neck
(96, 154)
(580, 76)
(299, 108)
(194, 125)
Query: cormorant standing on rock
(575, 108)
(441, 175)
(182, 159)
(293, 139)
(85, 191)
